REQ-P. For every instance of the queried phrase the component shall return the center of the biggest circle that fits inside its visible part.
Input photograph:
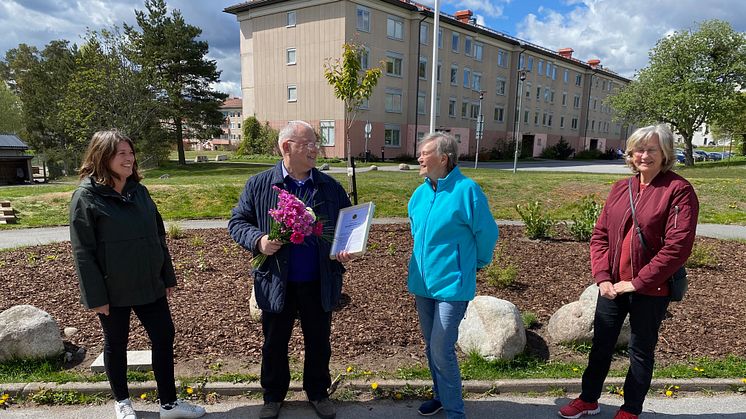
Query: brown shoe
(270, 410)
(324, 408)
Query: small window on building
(393, 65)
(290, 56)
(454, 42)
(291, 19)
(292, 93)
(363, 19)
(392, 135)
(394, 28)
(327, 133)
(423, 33)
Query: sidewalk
(44, 235)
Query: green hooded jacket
(119, 245)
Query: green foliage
(583, 222)
(559, 151)
(257, 139)
(693, 77)
(174, 231)
(66, 398)
(11, 117)
(538, 223)
(732, 125)
(703, 256)
(530, 319)
(173, 61)
(501, 273)
(589, 154)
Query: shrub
(559, 151)
(582, 224)
(174, 231)
(538, 224)
(257, 138)
(529, 319)
(499, 276)
(595, 154)
(703, 256)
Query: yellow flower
(2, 401)
(5, 396)
(189, 390)
(374, 385)
(143, 396)
(574, 370)
(621, 392)
(349, 369)
(676, 387)
(669, 393)
(398, 396)
(743, 380)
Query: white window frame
(454, 75)
(422, 71)
(468, 45)
(291, 19)
(365, 58)
(362, 19)
(288, 59)
(423, 36)
(452, 107)
(476, 81)
(389, 142)
(467, 77)
(392, 58)
(394, 28)
(478, 51)
(292, 93)
(501, 86)
(455, 40)
(326, 129)
(393, 100)
(421, 103)
(499, 114)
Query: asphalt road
(697, 406)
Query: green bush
(595, 154)
(559, 151)
(538, 224)
(582, 224)
(529, 319)
(501, 276)
(703, 256)
(257, 138)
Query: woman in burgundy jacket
(633, 278)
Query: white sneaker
(182, 410)
(124, 409)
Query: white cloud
(621, 32)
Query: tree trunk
(180, 141)
(688, 156)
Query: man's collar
(300, 182)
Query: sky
(618, 32)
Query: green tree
(11, 112)
(691, 79)
(352, 84)
(732, 125)
(174, 61)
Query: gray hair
(642, 135)
(445, 144)
(288, 131)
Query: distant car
(680, 158)
(715, 156)
(700, 155)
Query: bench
(199, 159)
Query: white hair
(287, 132)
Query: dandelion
(189, 390)
(143, 396)
(2, 402)
(397, 396)
(743, 380)
(575, 370)
(669, 393)
(621, 392)
(5, 396)
(676, 387)
(374, 385)
(349, 369)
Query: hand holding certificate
(351, 232)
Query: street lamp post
(368, 129)
(517, 125)
(480, 128)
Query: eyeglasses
(309, 146)
(650, 151)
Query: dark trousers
(156, 319)
(303, 300)
(645, 316)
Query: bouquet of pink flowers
(292, 221)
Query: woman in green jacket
(123, 264)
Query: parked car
(680, 158)
(715, 155)
(700, 155)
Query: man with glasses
(295, 280)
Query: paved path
(586, 166)
(36, 236)
(720, 406)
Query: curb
(570, 385)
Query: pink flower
(296, 237)
(318, 229)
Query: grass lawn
(210, 190)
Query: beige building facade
(285, 45)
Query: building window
(564, 98)
(574, 123)
(549, 120)
(365, 104)
(421, 103)
(566, 76)
(327, 133)
(530, 65)
(467, 77)
(394, 28)
(292, 93)
(440, 38)
(546, 94)
(364, 58)
(578, 79)
(526, 115)
(502, 58)
(551, 96)
(423, 33)
(291, 19)
(391, 135)
(393, 100)
(454, 74)
(540, 67)
(454, 42)
(554, 72)
(363, 19)
(499, 113)
(538, 92)
(562, 121)
(474, 110)
(393, 65)
(464, 109)
(437, 106)
(536, 118)
(576, 102)
(549, 69)
(595, 103)
(544, 119)
(603, 85)
(467, 45)
(437, 72)
(528, 91)
(290, 56)
(476, 81)
(422, 69)
(478, 51)
(452, 107)
(500, 90)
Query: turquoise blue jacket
(454, 235)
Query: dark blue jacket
(250, 221)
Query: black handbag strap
(634, 217)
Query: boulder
(324, 166)
(403, 166)
(70, 332)
(373, 167)
(573, 322)
(492, 328)
(27, 332)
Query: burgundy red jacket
(667, 212)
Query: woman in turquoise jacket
(454, 235)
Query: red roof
(232, 102)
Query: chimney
(594, 63)
(464, 16)
(566, 52)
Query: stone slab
(136, 361)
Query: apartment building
(232, 109)
(286, 43)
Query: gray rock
(164, 176)
(324, 166)
(27, 332)
(70, 332)
(573, 322)
(403, 166)
(493, 328)
(221, 157)
(373, 167)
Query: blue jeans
(439, 321)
